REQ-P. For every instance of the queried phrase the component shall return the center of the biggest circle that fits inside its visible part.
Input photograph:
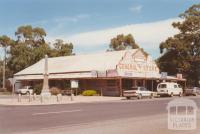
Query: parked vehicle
(138, 92)
(192, 91)
(25, 90)
(170, 89)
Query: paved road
(24, 119)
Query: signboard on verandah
(74, 83)
(163, 75)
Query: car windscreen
(162, 86)
(143, 89)
(196, 88)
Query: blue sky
(83, 22)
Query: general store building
(109, 72)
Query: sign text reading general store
(137, 67)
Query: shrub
(89, 93)
(55, 91)
(37, 88)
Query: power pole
(4, 69)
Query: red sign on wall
(112, 73)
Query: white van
(169, 88)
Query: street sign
(179, 76)
(164, 75)
(74, 83)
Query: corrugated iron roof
(77, 63)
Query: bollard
(41, 99)
(72, 97)
(34, 96)
(30, 97)
(101, 92)
(57, 96)
(60, 97)
(19, 97)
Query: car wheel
(139, 96)
(172, 94)
(128, 98)
(195, 94)
(151, 96)
(28, 93)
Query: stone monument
(45, 90)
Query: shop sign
(128, 74)
(74, 84)
(94, 73)
(112, 73)
(138, 67)
(179, 76)
(101, 73)
(163, 75)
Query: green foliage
(61, 48)
(30, 47)
(122, 42)
(55, 91)
(30, 36)
(8, 73)
(89, 93)
(5, 41)
(181, 53)
(37, 88)
(1, 73)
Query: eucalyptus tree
(5, 42)
(181, 53)
(122, 42)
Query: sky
(90, 24)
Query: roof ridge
(89, 54)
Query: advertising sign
(164, 75)
(137, 65)
(101, 73)
(74, 83)
(94, 73)
(112, 73)
(179, 76)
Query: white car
(26, 90)
(138, 92)
(170, 89)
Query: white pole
(19, 98)
(4, 69)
